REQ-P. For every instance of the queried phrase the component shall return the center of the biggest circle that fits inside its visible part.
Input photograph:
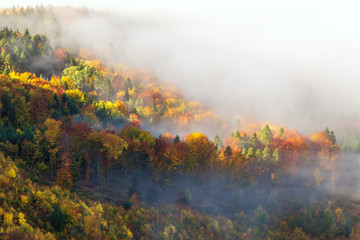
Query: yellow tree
(201, 152)
(112, 146)
(52, 133)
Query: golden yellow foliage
(147, 111)
(120, 94)
(24, 200)
(76, 94)
(22, 219)
(11, 173)
(55, 80)
(99, 208)
(67, 80)
(129, 233)
(92, 227)
(8, 218)
(53, 130)
(132, 92)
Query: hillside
(90, 149)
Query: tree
(330, 135)
(327, 220)
(57, 107)
(355, 232)
(165, 159)
(280, 133)
(94, 145)
(218, 142)
(184, 198)
(177, 139)
(112, 146)
(237, 135)
(8, 110)
(276, 155)
(201, 152)
(266, 135)
(261, 217)
(266, 154)
(58, 219)
(298, 234)
(52, 133)
(64, 177)
(254, 141)
(250, 153)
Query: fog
(292, 63)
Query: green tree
(280, 133)
(57, 107)
(261, 217)
(266, 154)
(177, 139)
(250, 153)
(266, 135)
(237, 135)
(218, 142)
(276, 155)
(327, 220)
(58, 219)
(254, 141)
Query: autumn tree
(324, 143)
(140, 149)
(52, 133)
(112, 147)
(201, 153)
(63, 176)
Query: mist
(294, 64)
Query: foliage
(84, 124)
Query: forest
(90, 149)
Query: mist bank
(211, 193)
(290, 67)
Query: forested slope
(84, 156)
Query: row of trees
(42, 120)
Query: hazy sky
(292, 62)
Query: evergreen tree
(237, 135)
(57, 107)
(266, 135)
(266, 153)
(58, 219)
(28, 133)
(250, 153)
(330, 135)
(258, 154)
(276, 155)
(280, 133)
(218, 142)
(177, 139)
(261, 217)
(254, 141)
